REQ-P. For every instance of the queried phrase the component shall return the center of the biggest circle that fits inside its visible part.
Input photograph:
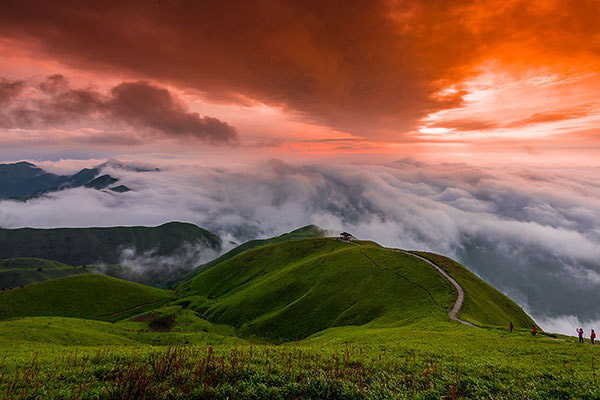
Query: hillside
(82, 246)
(294, 289)
(483, 305)
(80, 296)
(309, 231)
(15, 272)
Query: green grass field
(314, 318)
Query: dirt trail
(461, 293)
(127, 310)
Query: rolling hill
(294, 289)
(82, 246)
(309, 231)
(81, 296)
(140, 249)
(15, 272)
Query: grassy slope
(41, 332)
(81, 296)
(80, 246)
(446, 360)
(294, 289)
(15, 272)
(309, 231)
(483, 304)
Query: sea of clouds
(534, 233)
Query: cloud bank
(532, 233)
(152, 110)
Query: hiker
(592, 336)
(510, 328)
(580, 334)
(533, 330)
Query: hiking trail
(461, 292)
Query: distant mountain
(24, 180)
(151, 255)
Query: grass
(79, 296)
(306, 232)
(417, 361)
(16, 272)
(296, 288)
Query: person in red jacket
(533, 330)
(510, 327)
(592, 336)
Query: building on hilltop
(346, 236)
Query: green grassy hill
(309, 231)
(80, 296)
(294, 289)
(15, 272)
(82, 246)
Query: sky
(469, 128)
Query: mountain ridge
(23, 181)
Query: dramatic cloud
(141, 105)
(533, 233)
(9, 90)
(369, 67)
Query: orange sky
(494, 81)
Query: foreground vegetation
(421, 361)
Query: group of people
(578, 330)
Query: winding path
(461, 292)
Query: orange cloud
(389, 72)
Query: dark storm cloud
(532, 233)
(362, 66)
(147, 106)
(137, 104)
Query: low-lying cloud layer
(151, 268)
(531, 233)
(151, 110)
